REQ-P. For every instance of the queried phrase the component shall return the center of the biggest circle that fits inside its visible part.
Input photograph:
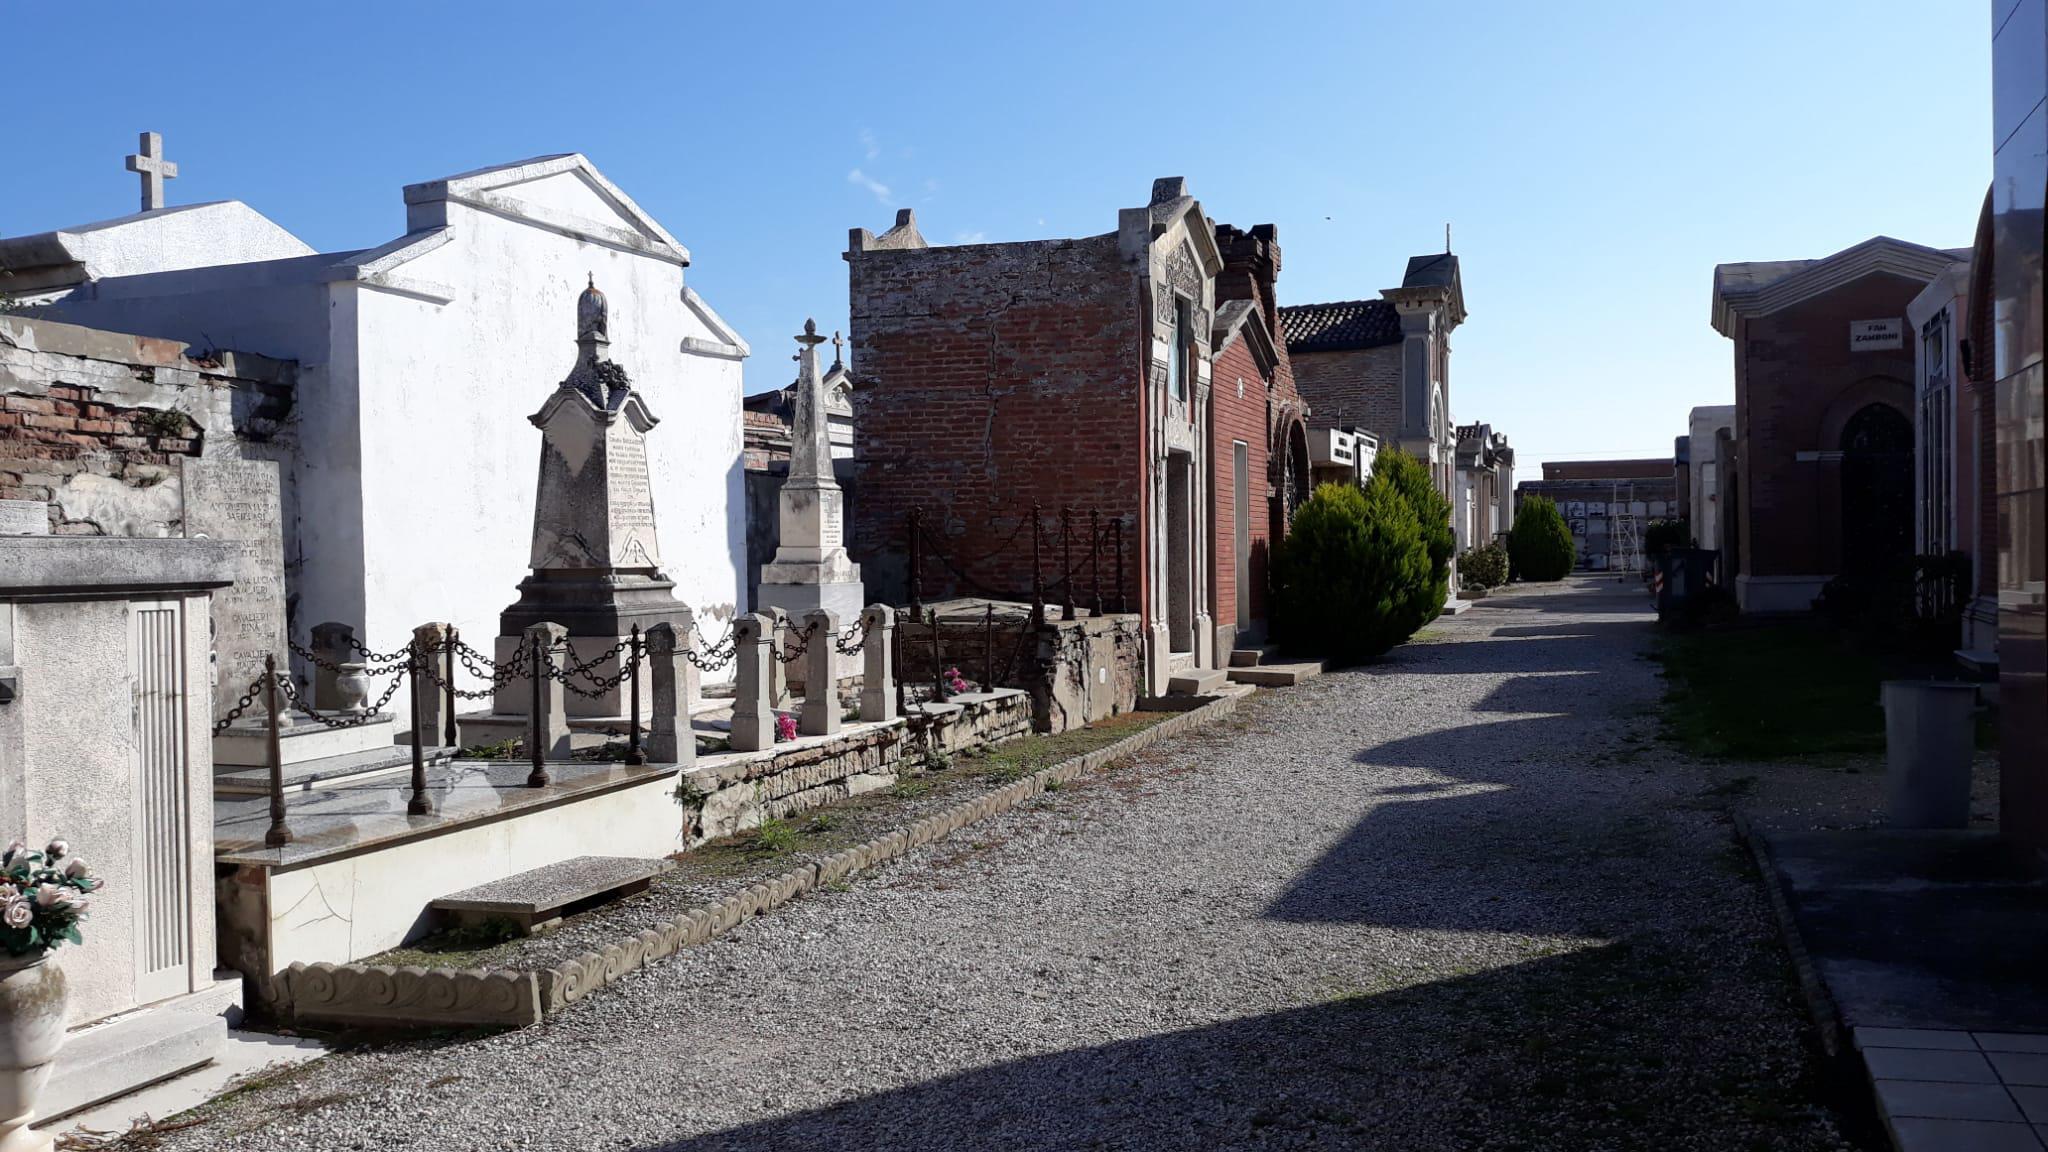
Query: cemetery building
(1709, 427)
(1608, 504)
(1383, 365)
(2008, 348)
(1259, 437)
(1954, 451)
(418, 362)
(1484, 510)
(1067, 374)
(1824, 396)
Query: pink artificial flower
(75, 869)
(56, 851)
(13, 850)
(18, 914)
(51, 896)
(785, 727)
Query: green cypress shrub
(1411, 482)
(1540, 543)
(1349, 575)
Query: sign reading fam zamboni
(1876, 335)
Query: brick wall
(1796, 385)
(1240, 418)
(1352, 388)
(989, 376)
(95, 424)
(1654, 468)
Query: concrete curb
(400, 998)
(1826, 1019)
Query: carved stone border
(385, 997)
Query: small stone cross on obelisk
(154, 169)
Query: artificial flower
(18, 914)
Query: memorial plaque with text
(238, 501)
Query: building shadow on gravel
(1617, 1047)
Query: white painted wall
(1705, 512)
(190, 236)
(450, 461)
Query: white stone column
(878, 671)
(669, 739)
(547, 727)
(753, 713)
(820, 715)
(690, 686)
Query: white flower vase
(351, 691)
(31, 1031)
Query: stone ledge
(387, 997)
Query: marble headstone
(236, 500)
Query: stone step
(122, 1054)
(535, 900)
(326, 771)
(1197, 682)
(247, 742)
(1252, 657)
(1277, 675)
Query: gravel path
(1455, 900)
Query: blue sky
(1595, 159)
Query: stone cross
(154, 170)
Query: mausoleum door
(161, 861)
(1877, 490)
(1180, 573)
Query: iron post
(273, 753)
(1066, 563)
(634, 753)
(416, 664)
(538, 777)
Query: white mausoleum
(420, 361)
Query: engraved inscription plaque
(238, 501)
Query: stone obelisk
(596, 562)
(811, 569)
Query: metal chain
(711, 657)
(435, 678)
(375, 711)
(859, 632)
(241, 706)
(802, 641)
(603, 684)
(379, 657)
(391, 664)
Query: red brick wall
(1356, 388)
(44, 439)
(1796, 383)
(989, 376)
(1238, 418)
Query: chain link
(374, 712)
(859, 633)
(241, 706)
(802, 642)
(389, 665)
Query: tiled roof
(1344, 324)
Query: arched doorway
(1877, 491)
(1294, 472)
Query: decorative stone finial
(592, 315)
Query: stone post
(669, 738)
(778, 669)
(820, 716)
(548, 727)
(690, 687)
(878, 670)
(753, 712)
(431, 720)
(331, 643)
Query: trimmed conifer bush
(1361, 569)
(1540, 544)
(1411, 482)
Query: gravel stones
(1450, 900)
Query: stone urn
(31, 1031)
(351, 693)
